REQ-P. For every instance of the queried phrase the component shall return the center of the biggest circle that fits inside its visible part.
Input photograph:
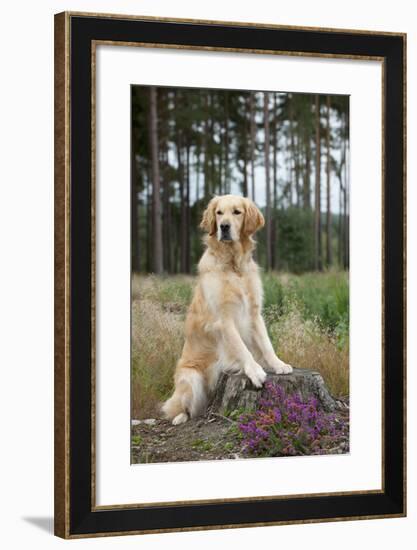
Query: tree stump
(237, 392)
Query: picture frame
(75, 386)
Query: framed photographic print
(229, 275)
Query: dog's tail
(189, 398)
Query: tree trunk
(299, 171)
(274, 231)
(221, 179)
(340, 224)
(212, 178)
(183, 205)
(245, 140)
(318, 255)
(343, 210)
(252, 140)
(268, 183)
(166, 183)
(197, 183)
(236, 392)
(156, 199)
(149, 224)
(134, 208)
(341, 228)
(328, 205)
(226, 144)
(295, 167)
(167, 223)
(307, 170)
(245, 168)
(346, 218)
(188, 213)
(206, 148)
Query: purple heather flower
(285, 425)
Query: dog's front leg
(262, 341)
(235, 351)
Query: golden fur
(224, 329)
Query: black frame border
(74, 503)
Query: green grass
(235, 413)
(229, 446)
(323, 297)
(202, 445)
(136, 440)
(307, 317)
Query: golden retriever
(224, 328)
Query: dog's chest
(249, 303)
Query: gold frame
(62, 265)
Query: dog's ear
(208, 223)
(254, 219)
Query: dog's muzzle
(225, 232)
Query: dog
(224, 328)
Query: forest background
(288, 152)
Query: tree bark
(220, 177)
(340, 225)
(343, 249)
(346, 216)
(134, 208)
(226, 144)
(245, 165)
(183, 205)
(165, 178)
(206, 148)
(329, 258)
(149, 224)
(341, 221)
(318, 254)
(307, 169)
(188, 213)
(236, 392)
(294, 155)
(197, 183)
(212, 178)
(156, 199)
(245, 140)
(252, 141)
(268, 183)
(274, 229)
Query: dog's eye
(219, 213)
(236, 212)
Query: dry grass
(158, 312)
(159, 306)
(157, 340)
(304, 344)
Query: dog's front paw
(279, 367)
(180, 419)
(256, 374)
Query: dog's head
(231, 218)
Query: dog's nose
(225, 227)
